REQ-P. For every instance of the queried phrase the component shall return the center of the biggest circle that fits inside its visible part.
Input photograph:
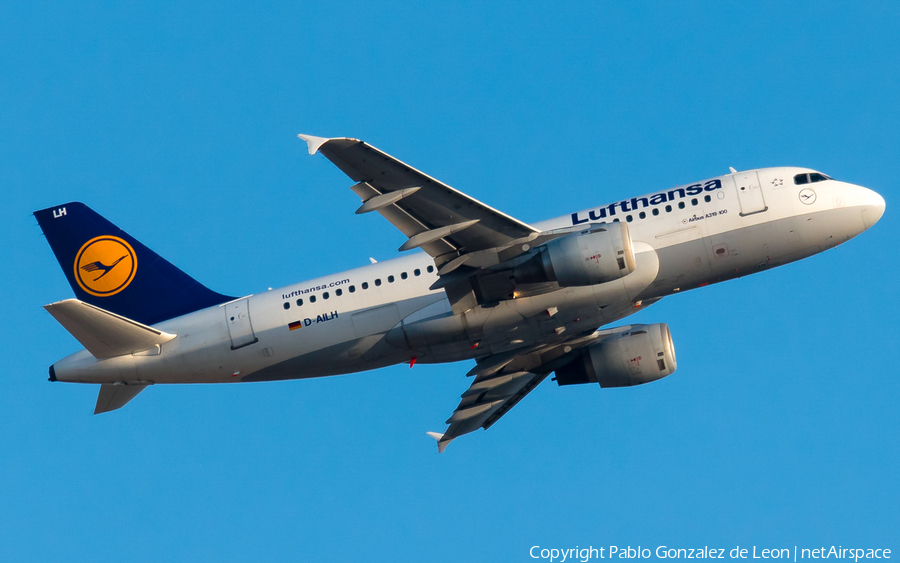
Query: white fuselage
(385, 313)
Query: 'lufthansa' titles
(636, 203)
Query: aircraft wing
(502, 380)
(435, 217)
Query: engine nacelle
(579, 259)
(642, 354)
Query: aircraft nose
(871, 207)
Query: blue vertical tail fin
(109, 268)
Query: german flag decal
(295, 324)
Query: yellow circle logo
(105, 266)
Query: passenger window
(299, 302)
(352, 288)
(655, 211)
(680, 205)
(377, 282)
(616, 220)
(430, 269)
(312, 298)
(403, 275)
(801, 179)
(707, 199)
(325, 295)
(694, 202)
(417, 272)
(642, 215)
(629, 218)
(390, 279)
(365, 285)
(338, 292)
(668, 209)
(287, 306)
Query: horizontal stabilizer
(105, 334)
(116, 395)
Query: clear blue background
(178, 123)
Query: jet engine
(642, 354)
(578, 259)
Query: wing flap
(102, 333)
(507, 405)
(501, 386)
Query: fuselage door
(237, 316)
(750, 193)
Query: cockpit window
(800, 179)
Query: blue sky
(178, 122)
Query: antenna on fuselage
(733, 171)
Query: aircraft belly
(336, 359)
(739, 252)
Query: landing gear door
(750, 193)
(237, 317)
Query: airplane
(522, 300)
